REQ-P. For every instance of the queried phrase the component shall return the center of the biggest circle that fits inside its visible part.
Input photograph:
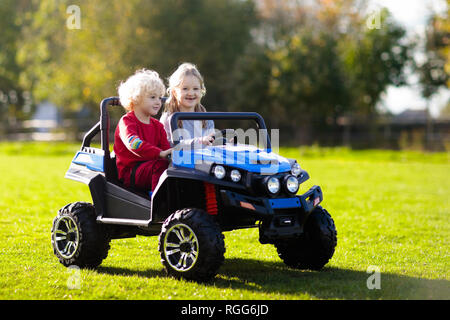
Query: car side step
(129, 222)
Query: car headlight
(295, 170)
(219, 172)
(291, 184)
(235, 175)
(273, 185)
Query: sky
(412, 14)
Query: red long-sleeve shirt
(135, 141)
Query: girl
(186, 88)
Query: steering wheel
(223, 136)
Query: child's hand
(165, 153)
(208, 139)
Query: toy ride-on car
(204, 192)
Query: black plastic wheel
(77, 239)
(315, 247)
(191, 245)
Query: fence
(431, 135)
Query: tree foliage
(434, 71)
(298, 63)
(320, 63)
(116, 38)
(11, 93)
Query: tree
(318, 63)
(374, 60)
(81, 66)
(11, 93)
(76, 66)
(435, 69)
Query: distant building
(411, 116)
(410, 129)
(44, 123)
(46, 118)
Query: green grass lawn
(391, 210)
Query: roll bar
(220, 116)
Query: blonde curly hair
(143, 83)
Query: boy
(140, 141)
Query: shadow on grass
(329, 283)
(115, 271)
